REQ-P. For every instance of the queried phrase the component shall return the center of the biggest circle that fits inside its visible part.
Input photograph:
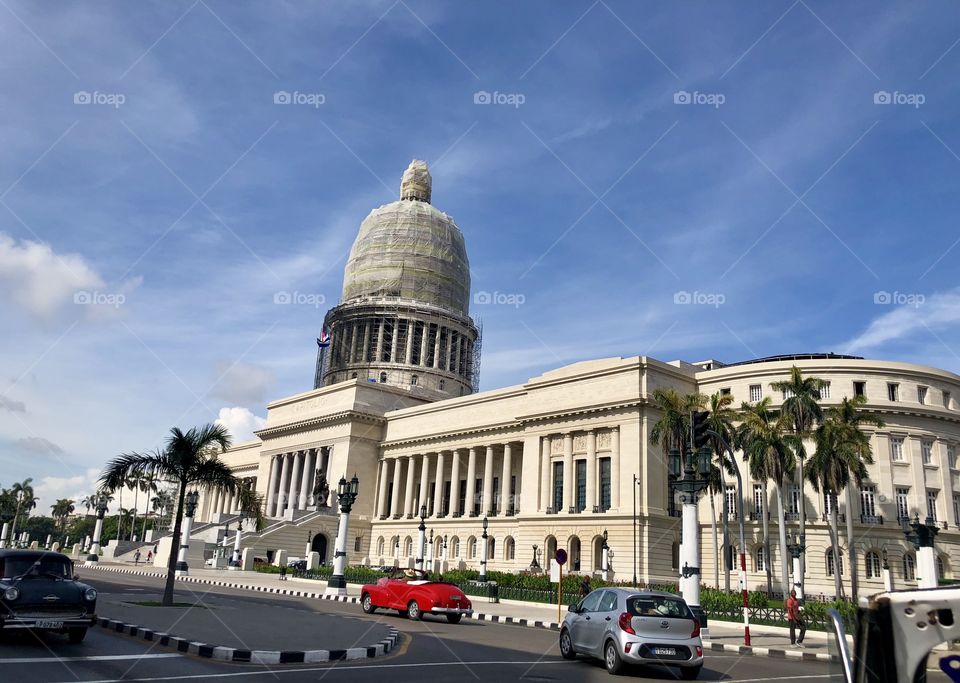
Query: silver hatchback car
(634, 627)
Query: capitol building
(563, 458)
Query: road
(431, 650)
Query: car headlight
(11, 593)
(91, 594)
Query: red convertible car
(411, 592)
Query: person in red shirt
(796, 619)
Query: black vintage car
(38, 590)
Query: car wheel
(366, 602)
(454, 618)
(566, 645)
(611, 658)
(413, 611)
(689, 673)
(76, 635)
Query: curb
(479, 616)
(230, 654)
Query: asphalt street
(431, 650)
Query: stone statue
(321, 491)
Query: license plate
(47, 623)
(456, 598)
(665, 651)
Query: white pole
(182, 568)
(483, 557)
(235, 562)
(605, 566)
(421, 546)
(926, 568)
(887, 578)
(93, 557)
(337, 585)
(797, 583)
(690, 554)
(4, 534)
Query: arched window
(472, 548)
(574, 549)
(831, 564)
(380, 544)
(353, 375)
(675, 555)
(408, 547)
(550, 547)
(872, 561)
(413, 380)
(455, 546)
(509, 548)
(491, 547)
(383, 378)
(395, 545)
(909, 567)
(441, 384)
(760, 559)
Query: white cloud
(242, 383)
(903, 320)
(241, 423)
(12, 406)
(37, 445)
(76, 487)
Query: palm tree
(802, 407)
(62, 509)
(673, 428)
(843, 453)
(88, 502)
(133, 483)
(188, 459)
(23, 492)
(769, 456)
(720, 422)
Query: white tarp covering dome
(410, 249)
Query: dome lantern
(416, 184)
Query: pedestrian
(136, 557)
(795, 617)
(149, 556)
(584, 587)
(283, 572)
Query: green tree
(720, 422)
(842, 455)
(188, 459)
(26, 501)
(62, 509)
(672, 430)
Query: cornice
(333, 418)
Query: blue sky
(785, 164)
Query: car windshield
(657, 606)
(50, 567)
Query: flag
(324, 340)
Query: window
(725, 391)
(932, 504)
(859, 388)
(951, 456)
(455, 544)
(893, 391)
(675, 555)
(896, 448)
(756, 392)
(463, 496)
(477, 496)
(731, 498)
(357, 544)
(383, 378)
(926, 452)
(472, 548)
(872, 561)
(581, 485)
(787, 393)
(491, 548)
(604, 484)
(868, 507)
(941, 570)
(921, 395)
(408, 547)
(495, 500)
(831, 564)
(793, 501)
(946, 400)
(830, 502)
(758, 506)
(591, 602)
(825, 390)
(909, 568)
(557, 486)
(380, 544)
(760, 560)
(903, 504)
(509, 549)
(956, 510)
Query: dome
(410, 249)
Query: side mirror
(573, 608)
(837, 645)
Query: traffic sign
(561, 556)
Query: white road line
(90, 658)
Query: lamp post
(428, 558)
(483, 551)
(347, 495)
(921, 535)
(101, 507)
(422, 538)
(235, 560)
(887, 574)
(690, 486)
(796, 552)
(396, 553)
(636, 483)
(605, 558)
(191, 501)
(535, 565)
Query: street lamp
(101, 507)
(190, 503)
(483, 549)
(422, 537)
(535, 565)
(429, 555)
(235, 560)
(636, 522)
(921, 535)
(605, 558)
(690, 485)
(347, 495)
(796, 552)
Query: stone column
(424, 341)
(455, 484)
(378, 351)
(284, 483)
(455, 365)
(408, 354)
(214, 503)
(505, 479)
(438, 487)
(365, 351)
(408, 491)
(294, 480)
(487, 507)
(305, 478)
(546, 472)
(424, 481)
(591, 470)
(395, 498)
(471, 481)
(348, 342)
(436, 348)
(384, 483)
(567, 471)
(393, 342)
(615, 468)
